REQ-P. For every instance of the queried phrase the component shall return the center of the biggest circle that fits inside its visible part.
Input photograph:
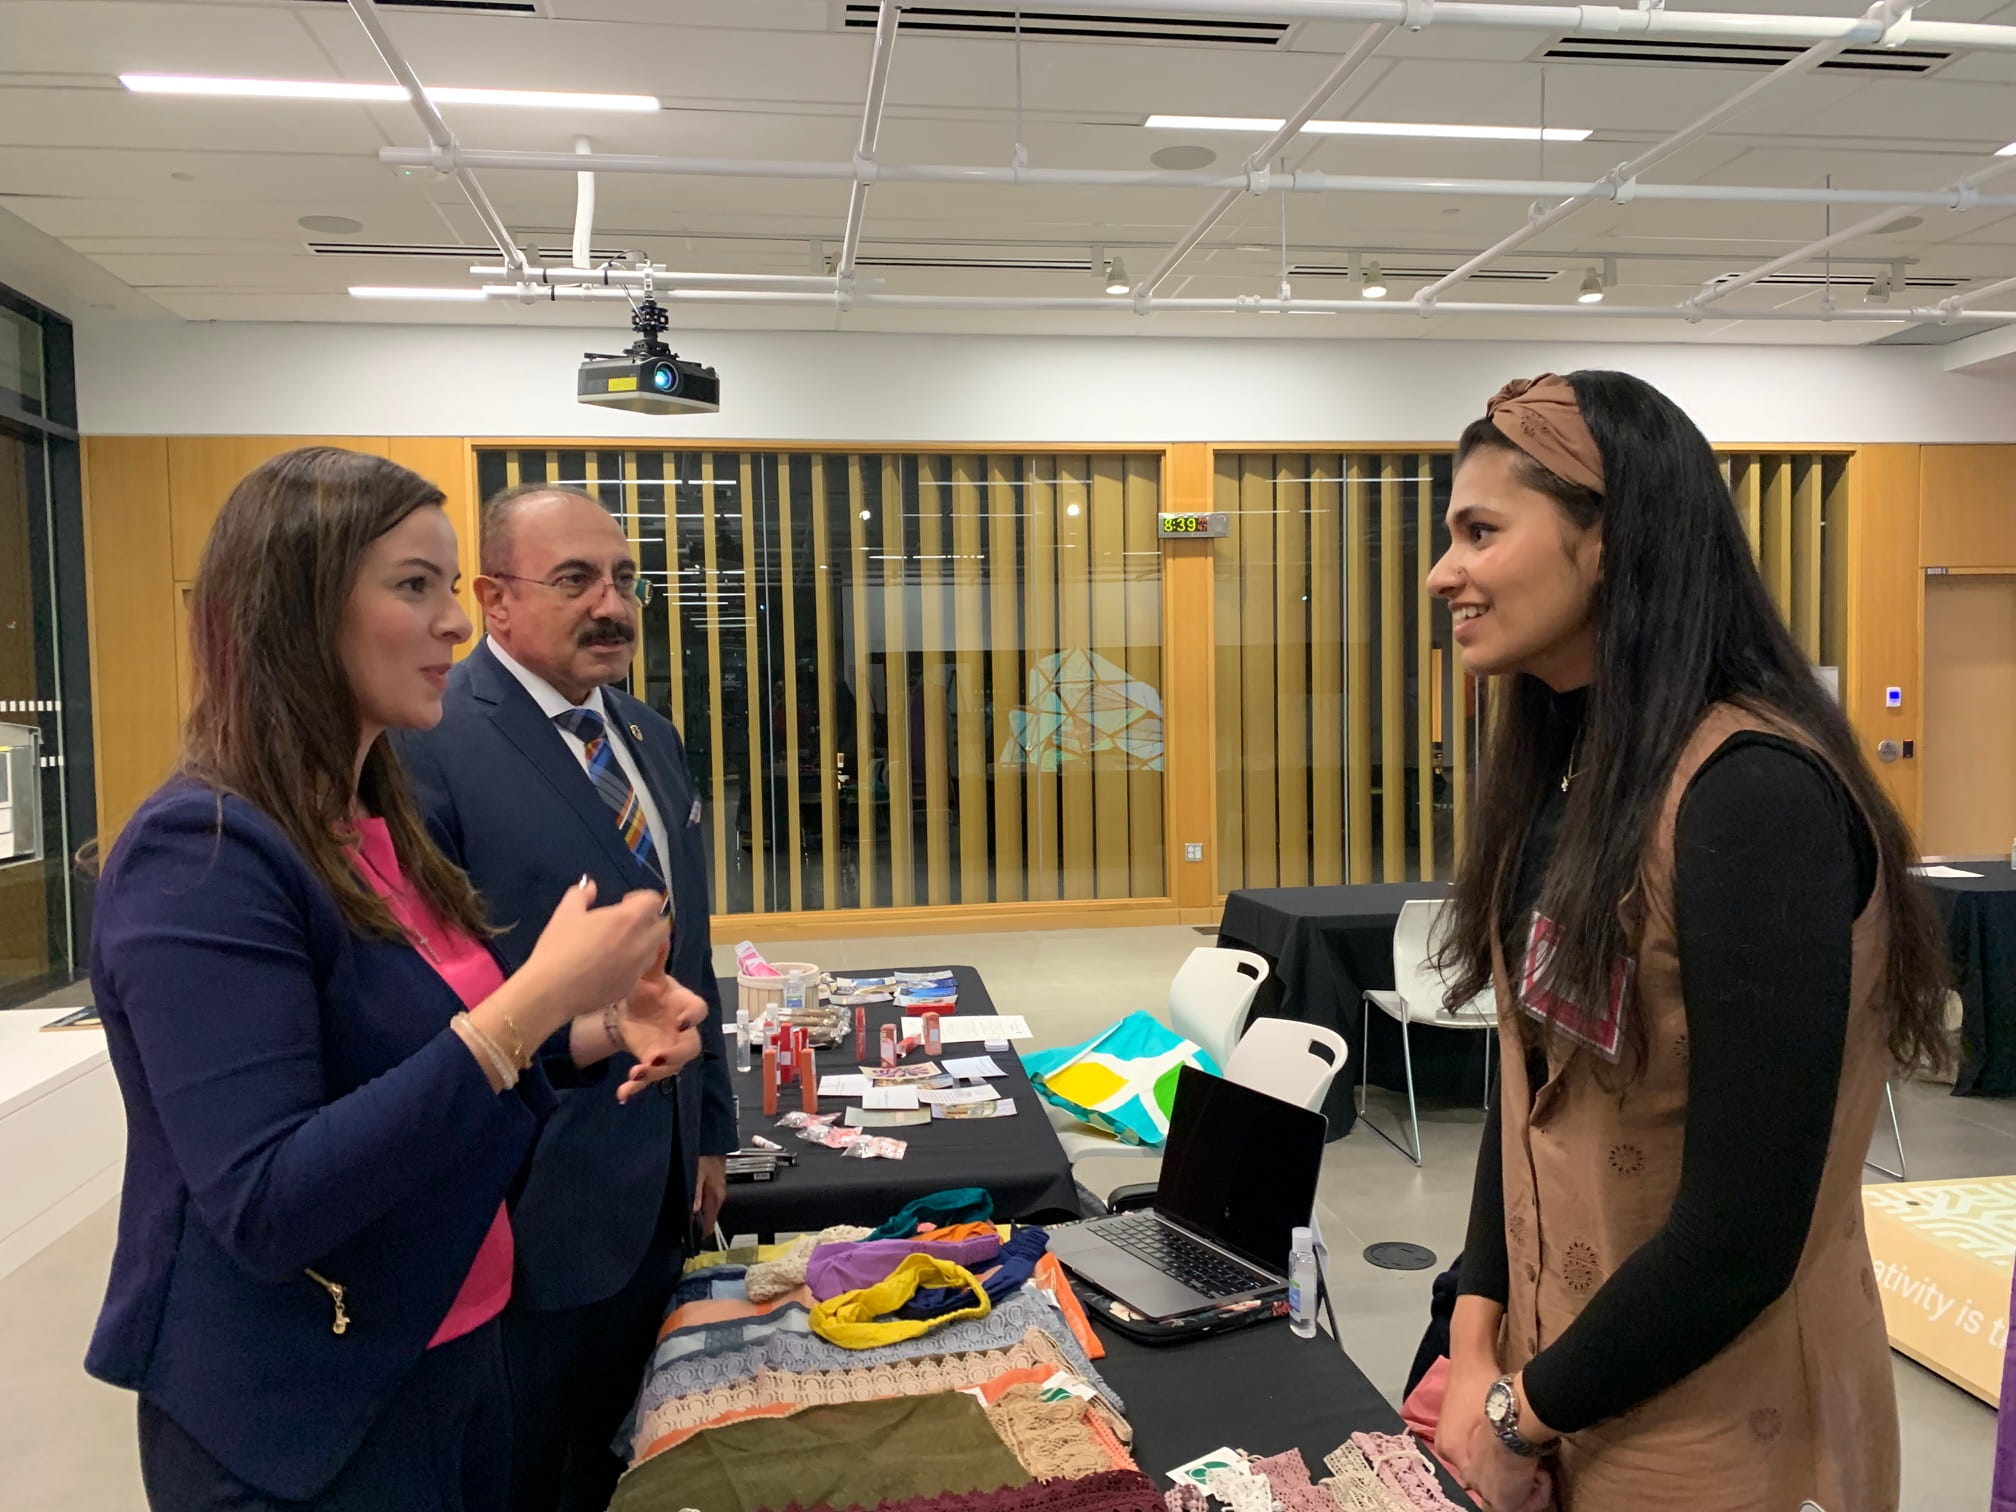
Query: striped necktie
(606, 772)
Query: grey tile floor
(66, 1442)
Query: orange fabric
(954, 1232)
(1050, 1276)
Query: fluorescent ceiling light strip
(386, 291)
(334, 89)
(1375, 128)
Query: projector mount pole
(648, 319)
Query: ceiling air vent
(1681, 52)
(992, 264)
(1848, 280)
(467, 7)
(998, 21)
(469, 254)
(1427, 275)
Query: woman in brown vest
(1694, 904)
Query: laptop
(1238, 1176)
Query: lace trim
(679, 1419)
(1059, 1440)
(1108, 1491)
(1398, 1463)
(1287, 1476)
(770, 1279)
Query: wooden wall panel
(1326, 670)
(1291, 666)
(1358, 668)
(1227, 598)
(1192, 658)
(932, 627)
(1257, 563)
(202, 471)
(135, 707)
(1004, 623)
(787, 666)
(969, 672)
(1885, 611)
(1074, 634)
(1107, 519)
(1039, 642)
(1392, 677)
(1969, 512)
(1141, 589)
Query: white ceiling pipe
(437, 130)
(1876, 21)
(871, 134)
(528, 293)
(1256, 162)
(1962, 187)
(1965, 301)
(1569, 20)
(1247, 305)
(1302, 181)
(584, 208)
(667, 278)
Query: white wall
(154, 377)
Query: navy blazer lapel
(515, 714)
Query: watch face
(1498, 1403)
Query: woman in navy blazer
(330, 1089)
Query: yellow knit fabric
(849, 1319)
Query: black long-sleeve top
(1772, 864)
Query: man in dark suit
(539, 771)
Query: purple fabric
(2003, 1498)
(836, 1269)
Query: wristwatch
(1501, 1411)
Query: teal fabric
(1122, 1081)
(940, 1209)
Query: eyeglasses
(577, 584)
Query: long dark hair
(274, 720)
(1683, 622)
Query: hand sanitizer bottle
(1302, 1284)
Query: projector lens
(663, 378)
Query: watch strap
(1506, 1426)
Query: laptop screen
(1240, 1167)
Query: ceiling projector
(649, 377)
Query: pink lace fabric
(1108, 1491)
(1397, 1461)
(1287, 1476)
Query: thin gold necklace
(420, 941)
(1574, 758)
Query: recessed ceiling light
(334, 89)
(384, 291)
(1376, 128)
(334, 225)
(1185, 157)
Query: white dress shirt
(552, 702)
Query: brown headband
(1541, 418)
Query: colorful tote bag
(1122, 1081)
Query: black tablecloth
(1329, 945)
(1260, 1389)
(1980, 916)
(1017, 1159)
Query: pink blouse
(470, 969)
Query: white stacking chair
(1896, 1133)
(1416, 998)
(1209, 999)
(1293, 1061)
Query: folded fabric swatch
(771, 1279)
(1050, 1278)
(865, 1452)
(957, 1205)
(1111, 1491)
(859, 1319)
(1018, 1261)
(783, 1393)
(837, 1268)
(726, 1354)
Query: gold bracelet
(518, 1056)
(487, 1048)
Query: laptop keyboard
(1176, 1254)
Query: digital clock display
(1176, 527)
